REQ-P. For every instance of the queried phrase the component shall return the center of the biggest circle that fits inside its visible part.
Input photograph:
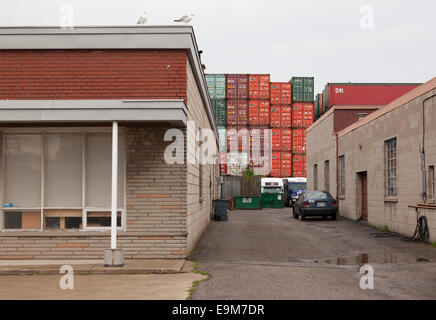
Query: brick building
(375, 164)
(65, 97)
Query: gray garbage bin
(221, 208)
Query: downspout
(337, 167)
(423, 174)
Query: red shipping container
(299, 165)
(281, 139)
(280, 116)
(281, 165)
(237, 86)
(365, 93)
(281, 93)
(238, 139)
(258, 136)
(298, 140)
(286, 170)
(258, 86)
(276, 163)
(297, 114)
(276, 139)
(223, 169)
(286, 139)
(321, 105)
(307, 114)
(258, 112)
(237, 112)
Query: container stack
(258, 118)
(281, 133)
(252, 105)
(302, 118)
(216, 84)
(237, 124)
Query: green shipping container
(222, 135)
(216, 84)
(302, 89)
(247, 203)
(317, 105)
(219, 111)
(273, 200)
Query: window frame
(388, 169)
(327, 175)
(315, 176)
(341, 173)
(431, 183)
(73, 130)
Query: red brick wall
(92, 74)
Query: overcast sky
(320, 38)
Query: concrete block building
(381, 166)
(66, 96)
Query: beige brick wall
(198, 212)
(321, 146)
(364, 151)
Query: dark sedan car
(315, 203)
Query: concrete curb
(131, 267)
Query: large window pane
(23, 170)
(63, 170)
(99, 170)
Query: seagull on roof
(185, 18)
(142, 19)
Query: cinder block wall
(405, 123)
(198, 212)
(321, 146)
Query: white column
(114, 184)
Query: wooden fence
(235, 186)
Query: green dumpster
(247, 203)
(273, 200)
(272, 193)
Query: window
(342, 175)
(431, 183)
(327, 175)
(55, 179)
(315, 176)
(391, 167)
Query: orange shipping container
(281, 164)
(299, 165)
(281, 93)
(280, 116)
(297, 114)
(307, 114)
(298, 140)
(258, 86)
(258, 112)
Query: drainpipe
(423, 174)
(337, 167)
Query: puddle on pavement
(368, 258)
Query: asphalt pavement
(267, 254)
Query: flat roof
(112, 37)
(406, 98)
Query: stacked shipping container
(302, 118)
(253, 106)
(281, 133)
